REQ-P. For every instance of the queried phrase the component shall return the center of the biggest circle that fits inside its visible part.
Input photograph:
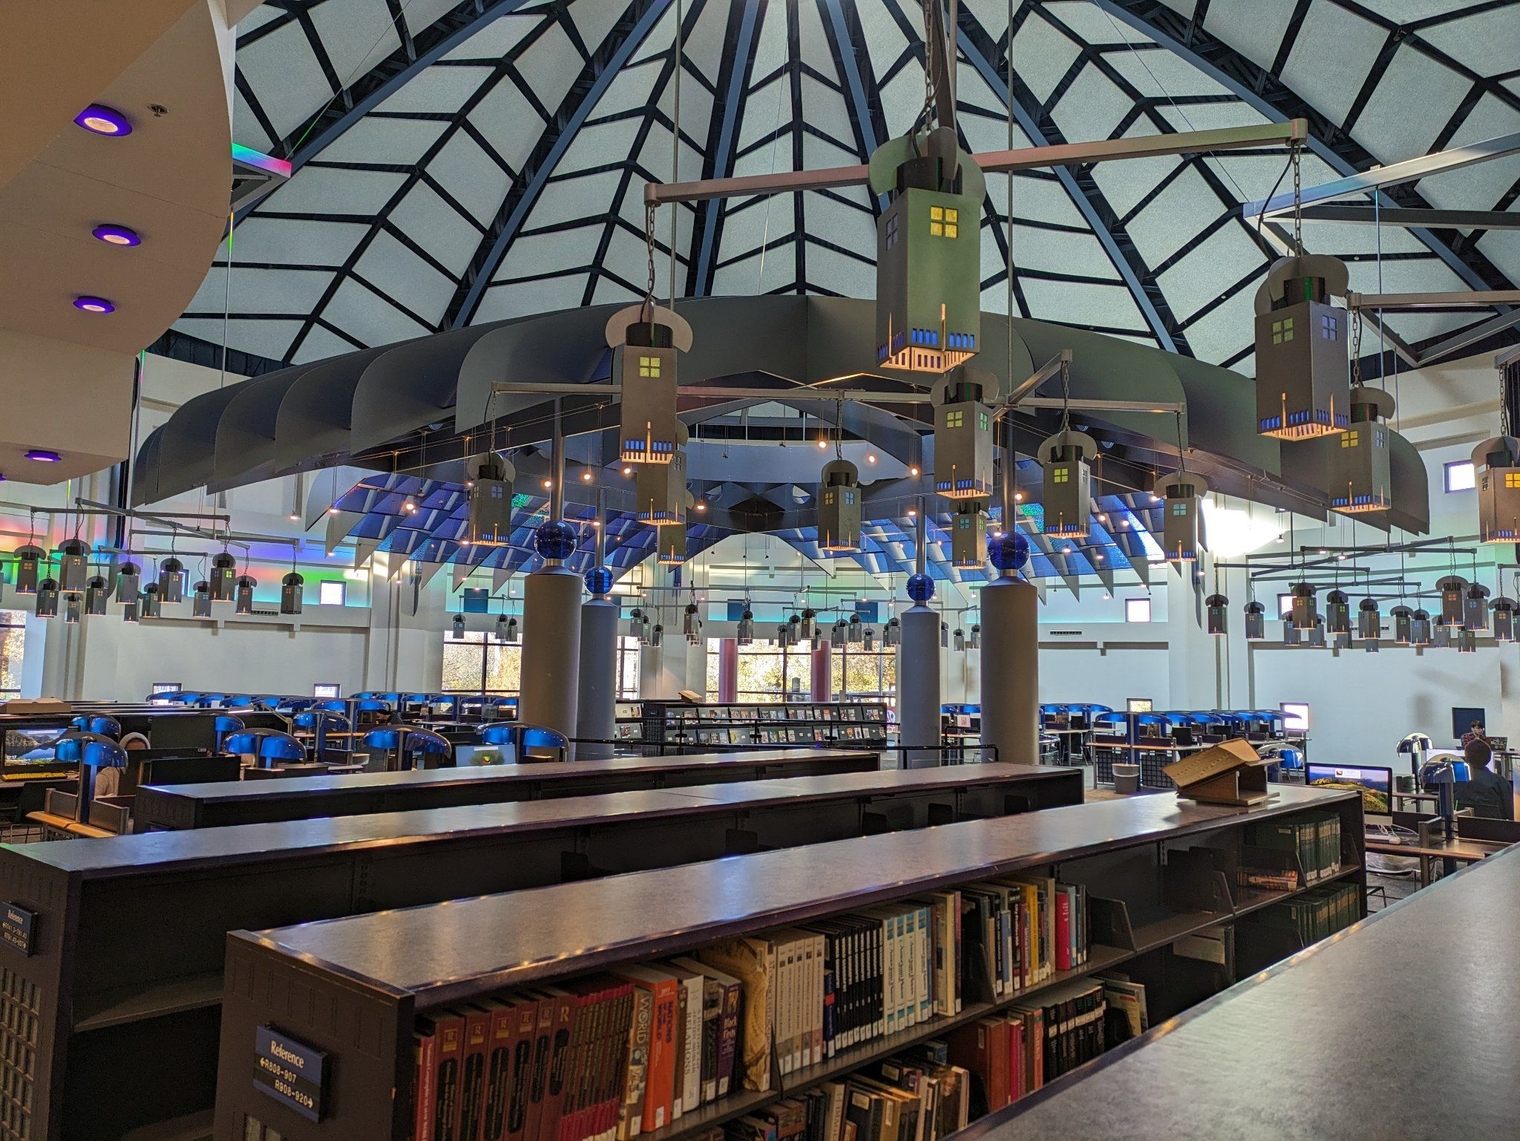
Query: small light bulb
(586, 476)
(464, 542)
(822, 443)
(870, 457)
(333, 510)
(1018, 497)
(997, 534)
(548, 483)
(1155, 498)
(294, 518)
(1102, 518)
(701, 507)
(912, 470)
(1124, 523)
(627, 470)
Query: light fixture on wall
(243, 601)
(1256, 621)
(47, 598)
(1215, 617)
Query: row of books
(611, 1056)
(1318, 913)
(1314, 837)
(846, 712)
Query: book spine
(477, 1051)
(691, 1088)
(446, 1087)
(425, 1095)
(561, 1032)
(678, 1086)
(498, 1073)
(830, 999)
(712, 1033)
(1063, 931)
(926, 963)
(635, 1082)
(728, 1039)
(660, 1090)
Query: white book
(907, 931)
(926, 959)
(691, 1076)
(834, 1130)
(784, 1033)
(820, 951)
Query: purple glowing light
(94, 305)
(117, 235)
(43, 457)
(102, 120)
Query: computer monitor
(324, 692)
(168, 687)
(29, 750)
(1376, 784)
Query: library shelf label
(289, 1071)
(18, 928)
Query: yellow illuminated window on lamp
(1512, 479)
(954, 419)
(982, 421)
(1349, 439)
(1282, 330)
(649, 366)
(1060, 475)
(828, 498)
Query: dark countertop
(446, 952)
(222, 792)
(164, 851)
(1405, 1027)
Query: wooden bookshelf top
(226, 792)
(239, 843)
(448, 952)
(1402, 1026)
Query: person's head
(134, 741)
(1475, 726)
(1477, 754)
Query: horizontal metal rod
(991, 162)
(1456, 299)
(1403, 216)
(1047, 370)
(1078, 405)
(1391, 175)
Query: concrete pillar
(1194, 657)
(551, 649)
(596, 702)
(918, 700)
(728, 670)
(696, 667)
(1010, 661)
(823, 672)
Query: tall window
(864, 675)
(767, 672)
(12, 644)
(628, 668)
(481, 665)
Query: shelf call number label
(18, 928)
(291, 1072)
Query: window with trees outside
(482, 664)
(768, 671)
(12, 646)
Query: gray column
(551, 648)
(918, 703)
(1011, 670)
(696, 666)
(596, 713)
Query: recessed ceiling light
(102, 120)
(913, 470)
(94, 305)
(586, 475)
(870, 457)
(43, 457)
(294, 518)
(117, 235)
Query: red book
(1015, 1058)
(998, 1037)
(660, 1084)
(617, 1074)
(580, 1070)
(538, 1075)
(524, 1033)
(561, 1032)
(498, 1091)
(450, 1056)
(425, 1093)
(1063, 931)
(472, 1084)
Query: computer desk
(1460, 849)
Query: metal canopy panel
(245, 435)
(315, 416)
(187, 449)
(145, 470)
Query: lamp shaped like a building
(290, 593)
(1453, 590)
(1301, 349)
(1403, 625)
(97, 593)
(1338, 612)
(490, 518)
(171, 580)
(47, 598)
(659, 490)
(1215, 619)
(670, 545)
(29, 560)
(243, 604)
(1502, 610)
(1475, 607)
(968, 535)
(746, 631)
(73, 565)
(1066, 459)
(128, 583)
(223, 577)
(839, 506)
(645, 341)
(928, 252)
(1304, 613)
(1256, 621)
(1359, 478)
(1369, 623)
(1419, 628)
(152, 601)
(1182, 537)
(963, 450)
(200, 600)
(1496, 468)
(891, 633)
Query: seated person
(108, 781)
(1485, 791)
(1474, 733)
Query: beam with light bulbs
(1293, 132)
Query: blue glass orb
(1008, 552)
(554, 540)
(599, 580)
(920, 588)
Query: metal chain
(1065, 395)
(649, 248)
(929, 102)
(1356, 350)
(1298, 204)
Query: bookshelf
(353, 988)
(298, 798)
(848, 723)
(1317, 1047)
(110, 984)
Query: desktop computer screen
(1376, 784)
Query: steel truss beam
(1405, 217)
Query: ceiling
(468, 162)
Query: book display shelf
(299, 798)
(847, 723)
(1146, 880)
(130, 932)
